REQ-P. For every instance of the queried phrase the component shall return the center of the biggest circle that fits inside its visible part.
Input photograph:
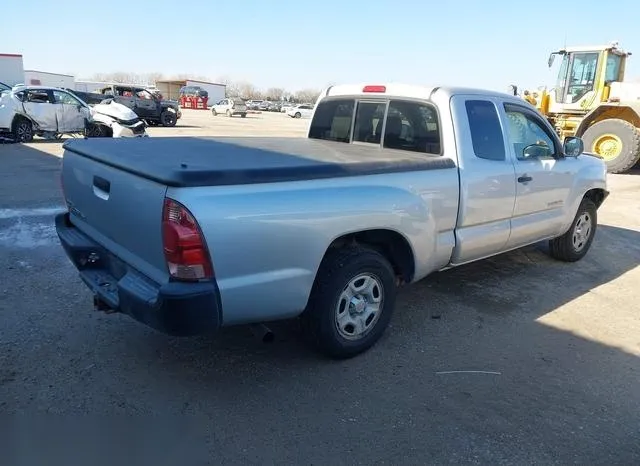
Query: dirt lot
(555, 349)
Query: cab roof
(404, 90)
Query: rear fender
(18, 115)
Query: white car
(301, 111)
(286, 107)
(230, 107)
(50, 112)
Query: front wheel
(168, 118)
(297, 115)
(351, 302)
(213, 112)
(574, 244)
(93, 130)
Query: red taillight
(374, 89)
(184, 248)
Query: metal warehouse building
(170, 89)
(11, 69)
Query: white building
(11, 69)
(93, 86)
(44, 78)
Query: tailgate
(239, 105)
(119, 210)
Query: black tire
(93, 130)
(570, 247)
(229, 114)
(297, 115)
(629, 136)
(213, 112)
(243, 115)
(320, 318)
(168, 118)
(22, 130)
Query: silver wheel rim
(24, 131)
(582, 231)
(359, 306)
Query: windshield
(576, 76)
(562, 79)
(4, 88)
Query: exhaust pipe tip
(263, 332)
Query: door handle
(524, 179)
(101, 187)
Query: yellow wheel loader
(591, 101)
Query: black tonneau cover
(191, 161)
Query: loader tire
(617, 141)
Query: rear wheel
(575, 243)
(243, 115)
(297, 115)
(168, 118)
(615, 140)
(229, 114)
(213, 112)
(351, 302)
(22, 130)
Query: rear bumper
(174, 308)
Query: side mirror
(534, 151)
(573, 146)
(551, 59)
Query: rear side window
(486, 132)
(412, 126)
(332, 120)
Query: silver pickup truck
(392, 183)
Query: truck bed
(190, 162)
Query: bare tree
(306, 95)
(248, 91)
(195, 77)
(232, 88)
(151, 78)
(274, 93)
(124, 77)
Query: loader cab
(584, 77)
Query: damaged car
(50, 112)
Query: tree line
(242, 89)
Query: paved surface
(559, 344)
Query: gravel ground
(555, 348)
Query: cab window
(412, 126)
(528, 134)
(332, 120)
